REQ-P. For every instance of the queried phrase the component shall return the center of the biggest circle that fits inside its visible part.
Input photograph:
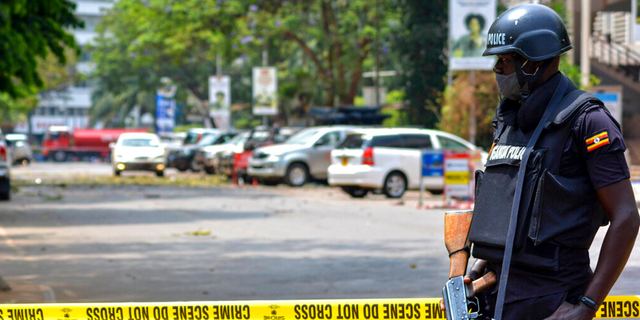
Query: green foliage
(395, 96)
(336, 36)
(456, 105)
(30, 30)
(420, 48)
(398, 118)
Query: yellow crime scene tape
(614, 307)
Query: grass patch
(140, 180)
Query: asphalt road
(153, 243)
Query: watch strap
(588, 302)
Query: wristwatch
(588, 302)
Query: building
(71, 107)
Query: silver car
(305, 155)
(5, 167)
(20, 148)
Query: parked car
(5, 169)
(302, 157)
(139, 152)
(258, 136)
(184, 158)
(389, 160)
(207, 156)
(20, 148)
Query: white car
(389, 160)
(138, 151)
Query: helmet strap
(527, 80)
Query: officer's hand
(470, 277)
(568, 311)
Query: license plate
(345, 161)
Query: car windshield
(192, 137)
(208, 140)
(238, 139)
(302, 137)
(140, 142)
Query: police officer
(575, 180)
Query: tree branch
(357, 73)
(321, 71)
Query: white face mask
(509, 86)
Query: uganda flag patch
(597, 141)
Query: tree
(456, 102)
(421, 47)
(336, 36)
(30, 30)
(143, 41)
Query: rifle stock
(455, 292)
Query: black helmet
(534, 31)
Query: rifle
(456, 293)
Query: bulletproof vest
(554, 211)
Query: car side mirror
(112, 145)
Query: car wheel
(116, 173)
(182, 168)
(395, 185)
(355, 192)
(6, 186)
(60, 156)
(297, 175)
(209, 170)
(160, 173)
(193, 165)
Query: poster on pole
(265, 91)
(165, 110)
(635, 13)
(469, 21)
(220, 100)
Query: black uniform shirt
(595, 146)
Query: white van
(389, 160)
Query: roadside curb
(23, 292)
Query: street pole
(472, 109)
(218, 65)
(585, 32)
(265, 62)
(377, 53)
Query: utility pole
(472, 109)
(265, 62)
(585, 33)
(377, 53)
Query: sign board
(612, 98)
(220, 100)
(165, 108)
(457, 176)
(265, 91)
(432, 163)
(469, 21)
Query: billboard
(265, 91)
(220, 100)
(165, 111)
(469, 21)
